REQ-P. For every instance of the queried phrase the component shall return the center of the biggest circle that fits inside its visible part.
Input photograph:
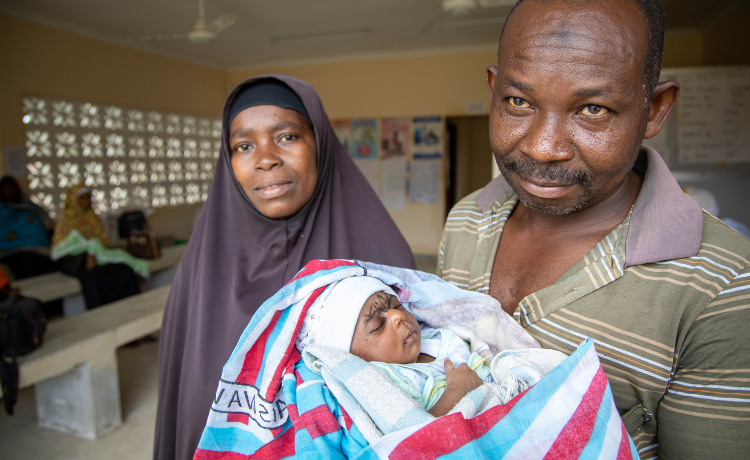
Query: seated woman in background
(285, 192)
(79, 247)
(24, 244)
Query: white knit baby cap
(331, 319)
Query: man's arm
(705, 412)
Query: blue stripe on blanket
(271, 341)
(230, 439)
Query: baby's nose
(396, 317)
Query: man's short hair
(654, 15)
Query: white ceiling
(335, 29)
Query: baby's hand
(461, 379)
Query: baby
(363, 316)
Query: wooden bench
(75, 370)
(53, 286)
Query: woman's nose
(266, 156)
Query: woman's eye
(242, 147)
(593, 111)
(288, 137)
(519, 103)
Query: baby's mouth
(411, 337)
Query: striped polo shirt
(666, 298)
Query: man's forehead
(617, 25)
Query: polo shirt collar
(665, 223)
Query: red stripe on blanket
(317, 265)
(624, 453)
(280, 447)
(201, 454)
(319, 421)
(347, 420)
(291, 355)
(449, 433)
(577, 432)
(241, 418)
(254, 357)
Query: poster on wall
(428, 135)
(424, 183)
(393, 190)
(364, 138)
(343, 130)
(394, 138)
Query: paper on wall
(425, 180)
(394, 183)
(343, 130)
(371, 171)
(365, 138)
(394, 137)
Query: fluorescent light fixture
(474, 22)
(321, 37)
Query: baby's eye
(594, 111)
(519, 103)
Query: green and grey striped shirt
(666, 298)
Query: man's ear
(491, 75)
(662, 102)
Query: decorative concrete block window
(128, 156)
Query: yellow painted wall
(41, 60)
(37, 59)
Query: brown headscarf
(237, 258)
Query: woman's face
(273, 157)
(84, 200)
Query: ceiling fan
(462, 9)
(203, 32)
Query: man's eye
(593, 111)
(519, 103)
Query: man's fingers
(448, 366)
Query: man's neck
(601, 217)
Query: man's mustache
(545, 172)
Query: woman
(285, 192)
(79, 247)
(24, 244)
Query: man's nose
(267, 156)
(547, 139)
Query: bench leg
(84, 401)
(73, 305)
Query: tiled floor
(21, 438)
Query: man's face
(273, 157)
(569, 102)
(386, 332)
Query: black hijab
(237, 258)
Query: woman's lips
(274, 190)
(545, 190)
(411, 337)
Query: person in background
(24, 244)
(79, 225)
(285, 192)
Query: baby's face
(386, 332)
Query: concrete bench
(53, 286)
(75, 370)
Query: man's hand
(90, 261)
(459, 381)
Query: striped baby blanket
(273, 404)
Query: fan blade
(432, 22)
(224, 22)
(153, 38)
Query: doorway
(469, 160)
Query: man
(588, 234)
